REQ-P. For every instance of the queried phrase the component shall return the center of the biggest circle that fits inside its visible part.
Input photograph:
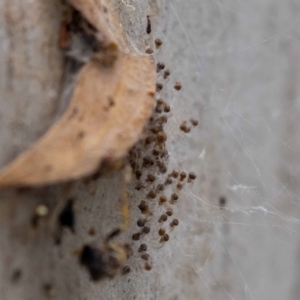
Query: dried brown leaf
(106, 116)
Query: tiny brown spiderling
(179, 186)
(158, 109)
(174, 174)
(150, 178)
(143, 248)
(158, 42)
(151, 195)
(160, 101)
(164, 153)
(147, 162)
(156, 129)
(167, 108)
(138, 174)
(174, 197)
(163, 218)
(144, 208)
(163, 169)
(164, 238)
(194, 122)
(139, 186)
(159, 66)
(145, 256)
(149, 139)
(162, 200)
(183, 127)
(148, 267)
(159, 87)
(136, 236)
(162, 120)
(168, 181)
(166, 74)
(160, 187)
(169, 212)
(174, 222)
(182, 176)
(177, 86)
(141, 222)
(192, 176)
(156, 151)
(146, 229)
(161, 231)
(161, 137)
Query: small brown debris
(222, 202)
(92, 231)
(148, 30)
(67, 216)
(125, 270)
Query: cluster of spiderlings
(159, 189)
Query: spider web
(238, 65)
(239, 220)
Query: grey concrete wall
(238, 62)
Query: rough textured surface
(239, 67)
